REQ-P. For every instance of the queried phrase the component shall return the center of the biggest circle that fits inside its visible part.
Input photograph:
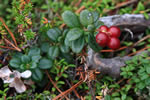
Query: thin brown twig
(5, 47)
(138, 51)
(121, 5)
(12, 35)
(55, 85)
(78, 3)
(69, 90)
(144, 38)
(18, 49)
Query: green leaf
(95, 15)
(144, 76)
(98, 23)
(148, 69)
(15, 62)
(90, 27)
(86, 18)
(37, 75)
(53, 33)
(70, 19)
(36, 58)
(64, 48)
(53, 52)
(107, 97)
(140, 6)
(33, 65)
(115, 94)
(123, 97)
(34, 51)
(67, 42)
(78, 45)
(45, 63)
(92, 43)
(141, 85)
(147, 81)
(60, 82)
(45, 47)
(74, 34)
(25, 59)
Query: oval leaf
(77, 45)
(36, 58)
(95, 15)
(37, 75)
(34, 51)
(15, 62)
(45, 63)
(74, 34)
(53, 33)
(53, 52)
(70, 19)
(25, 59)
(64, 48)
(45, 47)
(86, 18)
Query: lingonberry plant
(108, 37)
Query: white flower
(13, 77)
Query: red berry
(114, 43)
(103, 28)
(114, 31)
(102, 39)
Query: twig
(69, 90)
(78, 3)
(55, 85)
(138, 51)
(144, 38)
(80, 9)
(18, 49)
(12, 35)
(7, 47)
(122, 4)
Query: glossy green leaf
(86, 18)
(23, 67)
(34, 51)
(90, 27)
(36, 58)
(78, 45)
(98, 23)
(95, 15)
(53, 52)
(107, 97)
(141, 85)
(15, 62)
(70, 19)
(92, 43)
(67, 42)
(37, 75)
(45, 47)
(147, 81)
(74, 34)
(53, 33)
(25, 59)
(64, 48)
(33, 65)
(148, 69)
(45, 63)
(140, 6)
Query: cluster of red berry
(108, 37)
